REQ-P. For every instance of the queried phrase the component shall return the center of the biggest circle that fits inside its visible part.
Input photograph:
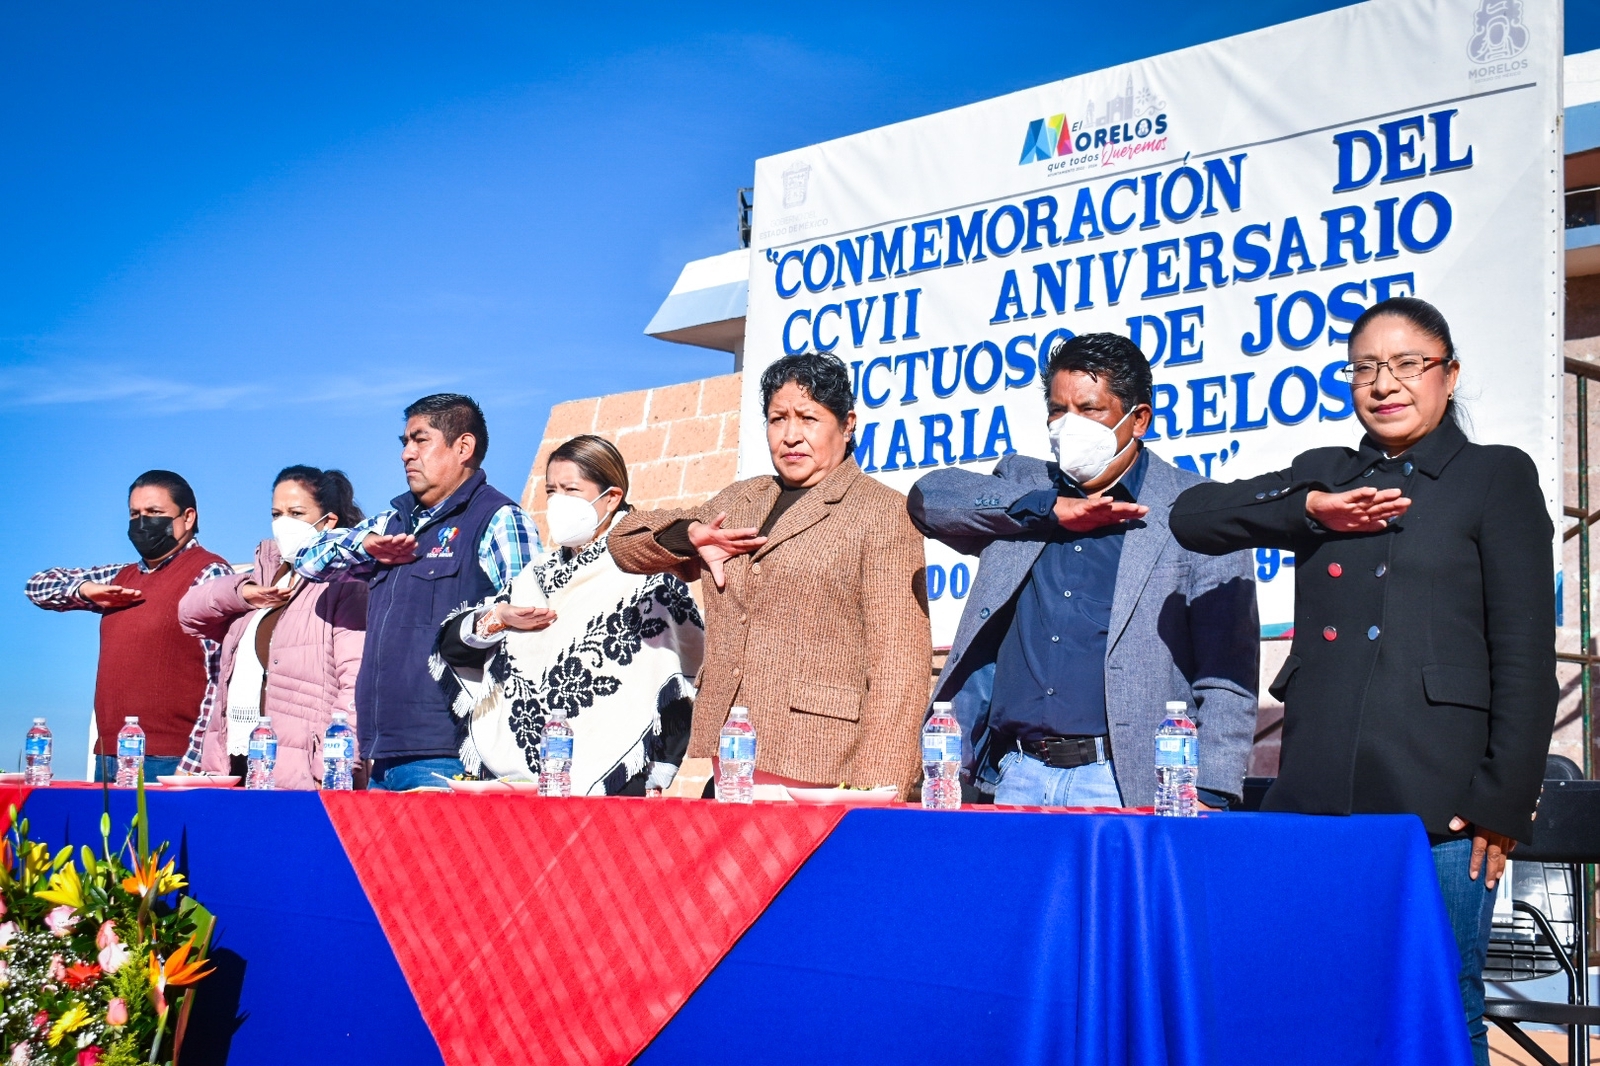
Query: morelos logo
(1129, 125)
(1497, 31)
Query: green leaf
(205, 924)
(144, 819)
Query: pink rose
(113, 957)
(7, 931)
(113, 952)
(58, 970)
(116, 1013)
(20, 1053)
(61, 920)
(89, 1056)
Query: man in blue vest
(451, 540)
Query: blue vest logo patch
(447, 537)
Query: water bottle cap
(132, 719)
(941, 706)
(340, 716)
(738, 712)
(1176, 705)
(265, 719)
(38, 721)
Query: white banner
(1231, 207)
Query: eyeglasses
(1404, 368)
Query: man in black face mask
(149, 668)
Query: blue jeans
(402, 775)
(1470, 906)
(1027, 782)
(105, 767)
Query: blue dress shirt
(1050, 672)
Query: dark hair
(1109, 356)
(176, 487)
(453, 415)
(331, 489)
(1424, 317)
(597, 459)
(823, 377)
(1420, 313)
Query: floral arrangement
(98, 956)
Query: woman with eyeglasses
(1422, 675)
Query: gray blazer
(1183, 625)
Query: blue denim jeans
(105, 767)
(1470, 906)
(402, 775)
(1027, 782)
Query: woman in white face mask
(290, 649)
(574, 635)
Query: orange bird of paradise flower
(176, 971)
(146, 880)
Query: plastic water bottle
(555, 756)
(263, 754)
(941, 760)
(37, 751)
(1177, 762)
(130, 753)
(338, 754)
(736, 757)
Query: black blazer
(1422, 678)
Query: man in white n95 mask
(1086, 617)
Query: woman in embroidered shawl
(616, 651)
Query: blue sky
(242, 236)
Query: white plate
(881, 796)
(196, 781)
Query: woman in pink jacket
(291, 649)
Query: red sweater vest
(149, 666)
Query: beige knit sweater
(822, 633)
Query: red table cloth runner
(564, 931)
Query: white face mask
(292, 535)
(1083, 447)
(572, 519)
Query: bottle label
(337, 748)
(741, 748)
(264, 748)
(558, 748)
(37, 747)
(1177, 751)
(130, 747)
(941, 747)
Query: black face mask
(151, 535)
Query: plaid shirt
(508, 543)
(56, 589)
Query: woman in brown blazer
(817, 611)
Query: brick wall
(681, 442)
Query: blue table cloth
(1235, 939)
(907, 937)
